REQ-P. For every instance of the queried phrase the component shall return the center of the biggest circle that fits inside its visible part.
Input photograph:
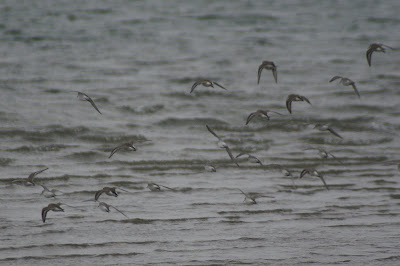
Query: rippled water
(138, 61)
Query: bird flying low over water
(375, 47)
(84, 97)
(109, 191)
(322, 127)
(29, 180)
(221, 144)
(313, 172)
(126, 146)
(106, 208)
(155, 187)
(346, 82)
(325, 154)
(253, 198)
(260, 113)
(295, 98)
(55, 207)
(48, 193)
(269, 66)
(251, 158)
(206, 83)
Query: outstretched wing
(275, 73)
(166, 187)
(335, 78)
(304, 172)
(98, 194)
(45, 210)
(334, 133)
(305, 99)
(119, 211)
(355, 89)
(219, 85)
(260, 69)
(334, 157)
(289, 104)
(369, 55)
(251, 116)
(116, 149)
(36, 173)
(93, 104)
(323, 181)
(231, 156)
(212, 132)
(194, 86)
(241, 154)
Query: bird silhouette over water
(269, 66)
(375, 47)
(295, 98)
(206, 83)
(346, 82)
(223, 145)
(84, 97)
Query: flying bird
(375, 47)
(55, 207)
(260, 113)
(49, 193)
(126, 146)
(221, 144)
(324, 154)
(269, 66)
(106, 208)
(156, 187)
(314, 172)
(84, 97)
(346, 82)
(29, 179)
(295, 98)
(210, 168)
(253, 198)
(206, 83)
(322, 127)
(109, 191)
(251, 158)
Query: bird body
(221, 144)
(314, 172)
(55, 207)
(127, 146)
(260, 112)
(346, 82)
(206, 83)
(295, 98)
(269, 66)
(106, 208)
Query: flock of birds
(251, 197)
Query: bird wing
(37, 172)
(45, 188)
(323, 181)
(219, 85)
(275, 112)
(260, 69)
(194, 86)
(45, 210)
(304, 172)
(98, 194)
(251, 116)
(166, 187)
(119, 211)
(241, 154)
(93, 104)
(335, 78)
(289, 104)
(116, 149)
(334, 132)
(275, 73)
(369, 55)
(355, 89)
(212, 132)
(231, 156)
(305, 99)
(334, 157)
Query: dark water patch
(189, 121)
(255, 211)
(345, 142)
(53, 91)
(387, 76)
(52, 131)
(85, 156)
(383, 20)
(151, 109)
(377, 189)
(99, 11)
(394, 259)
(395, 196)
(41, 148)
(112, 139)
(6, 161)
(384, 182)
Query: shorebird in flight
(253, 197)
(375, 47)
(155, 187)
(346, 82)
(109, 191)
(84, 97)
(295, 98)
(49, 193)
(210, 168)
(29, 179)
(126, 146)
(206, 83)
(324, 154)
(260, 112)
(251, 158)
(269, 66)
(55, 207)
(313, 172)
(221, 144)
(322, 127)
(106, 208)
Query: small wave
(89, 155)
(189, 121)
(5, 161)
(41, 148)
(151, 109)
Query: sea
(137, 61)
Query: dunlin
(295, 98)
(375, 47)
(155, 187)
(260, 113)
(322, 127)
(205, 83)
(29, 180)
(106, 208)
(313, 172)
(251, 158)
(346, 82)
(253, 198)
(269, 66)
(84, 97)
(222, 144)
(55, 207)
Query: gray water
(138, 61)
